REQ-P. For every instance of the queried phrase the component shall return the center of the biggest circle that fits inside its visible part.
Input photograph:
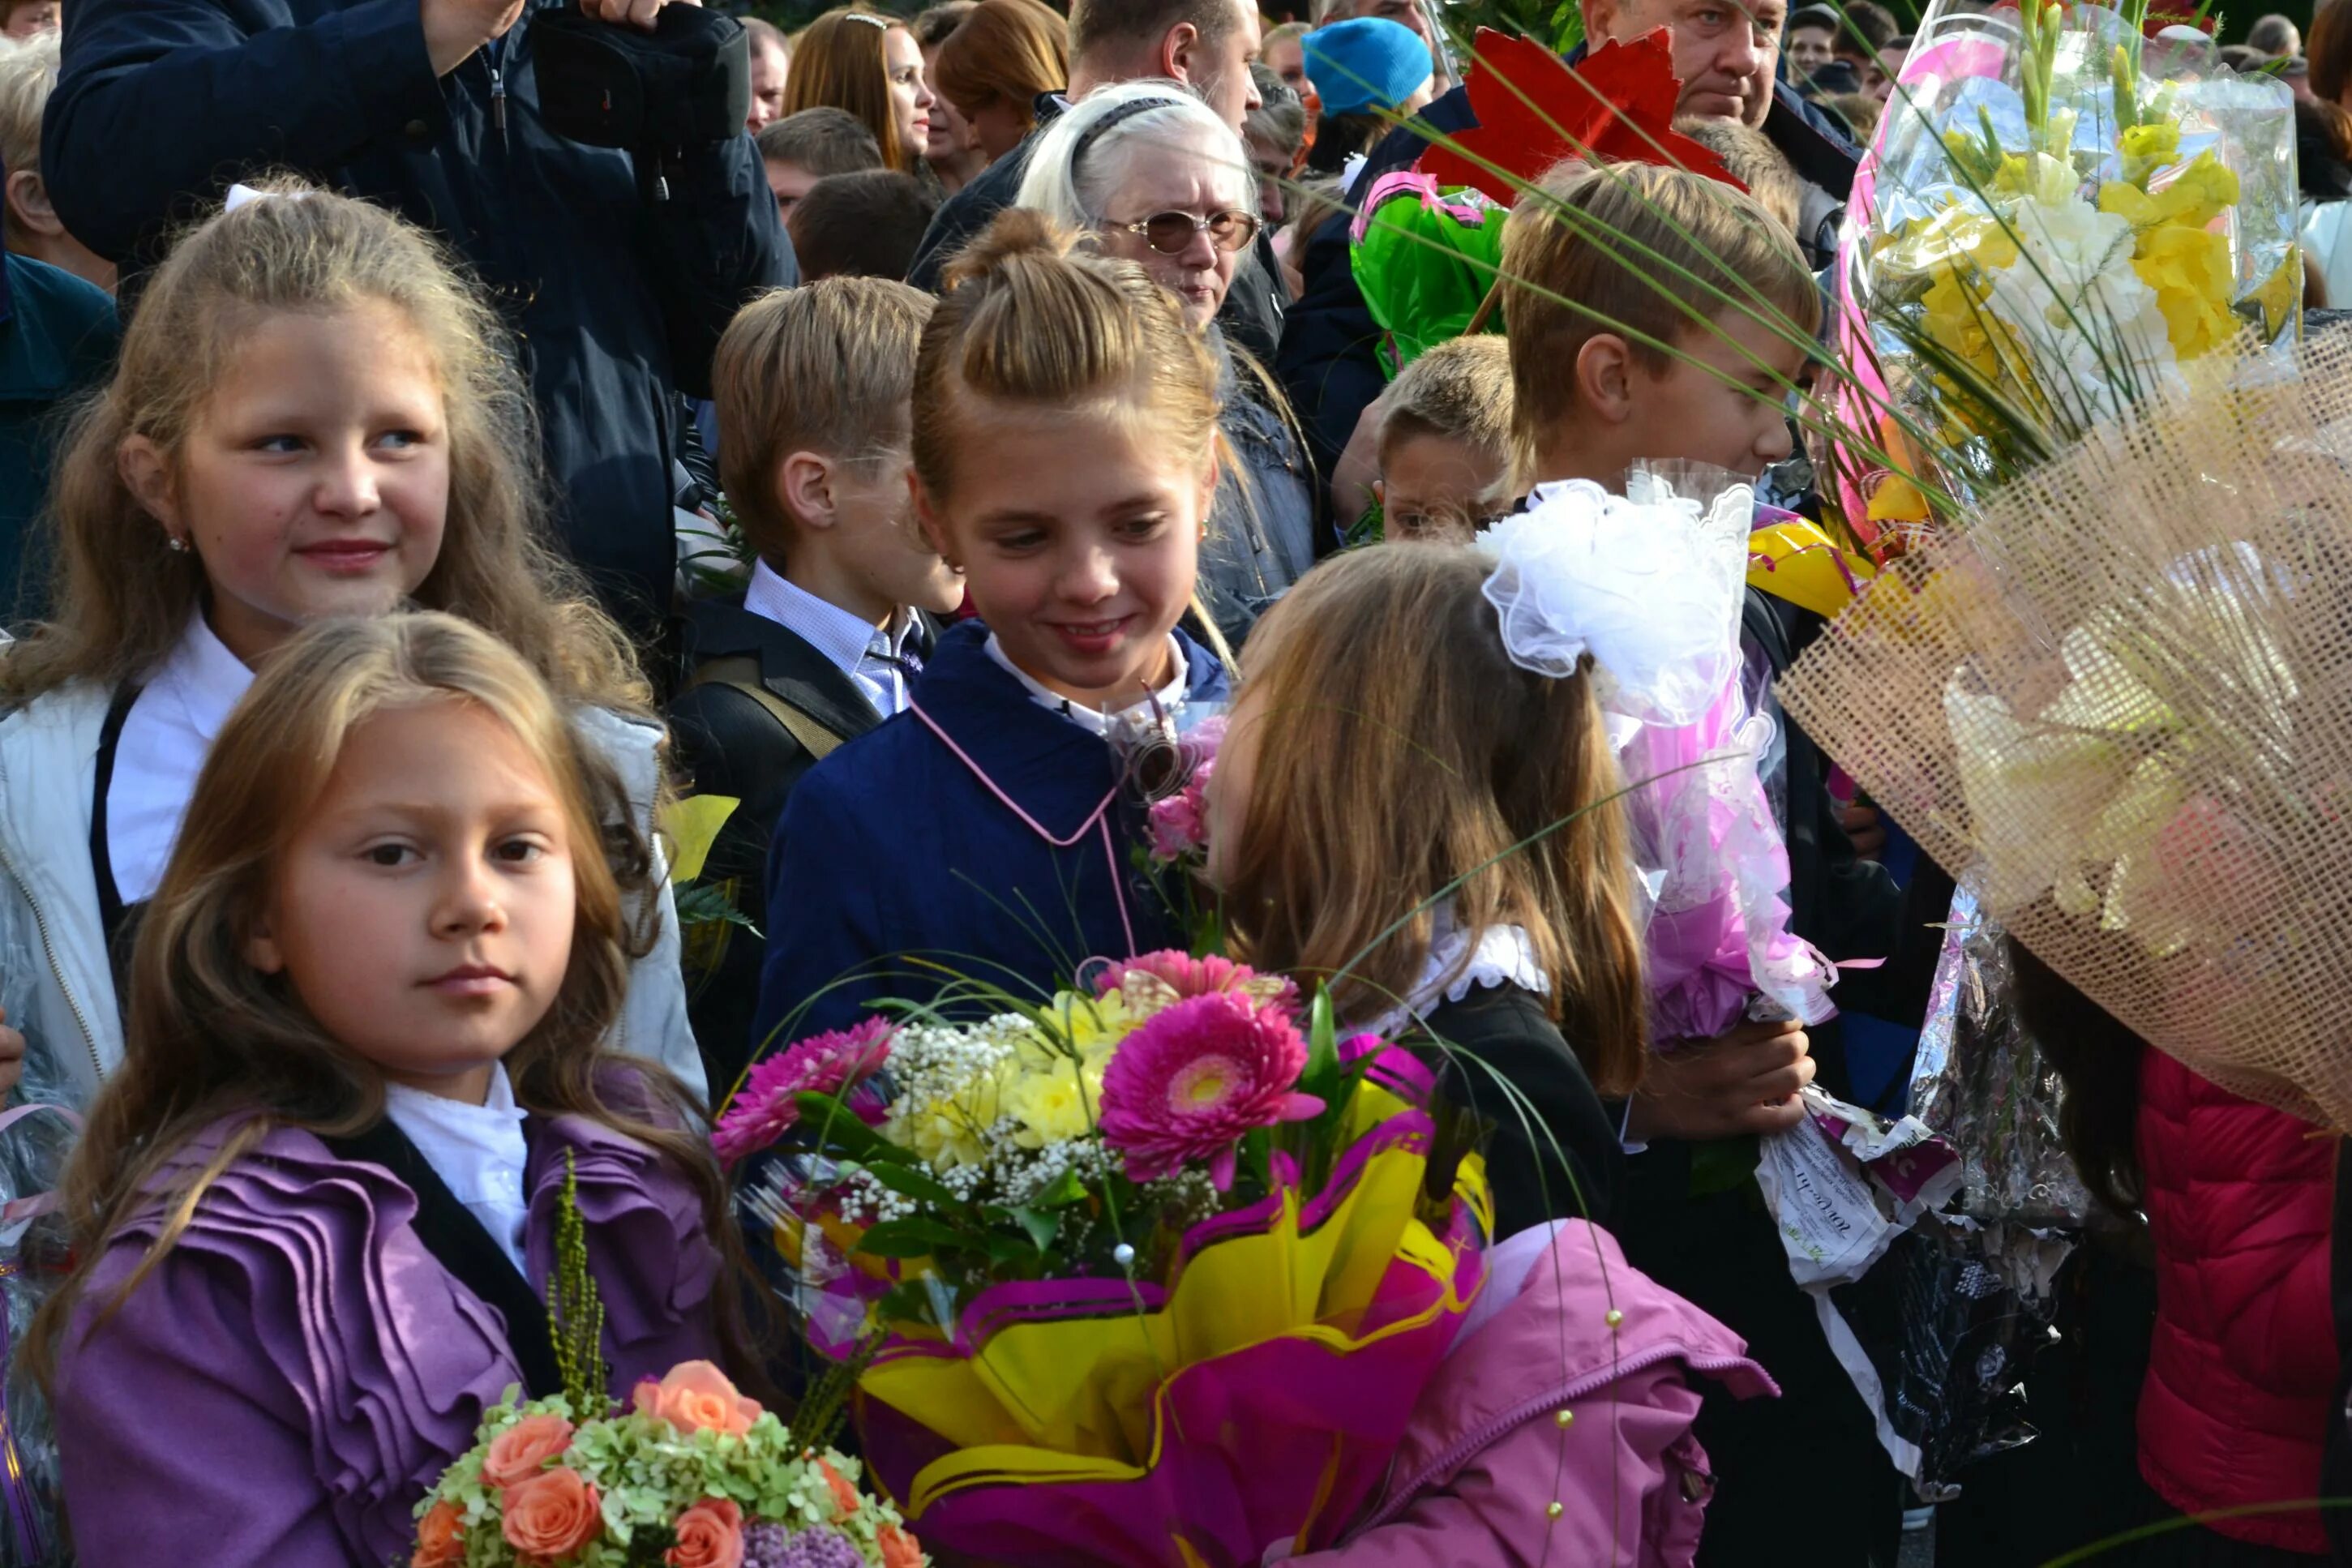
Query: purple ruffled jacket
(299, 1369)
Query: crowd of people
(405, 500)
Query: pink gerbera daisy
(839, 1063)
(1196, 1077)
(1182, 975)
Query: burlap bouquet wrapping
(2120, 701)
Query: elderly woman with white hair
(1160, 180)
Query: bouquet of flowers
(1052, 1248)
(692, 1475)
(2061, 214)
(1650, 584)
(2117, 698)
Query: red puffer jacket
(2239, 1199)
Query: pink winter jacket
(2240, 1201)
(1486, 1455)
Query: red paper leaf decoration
(1615, 106)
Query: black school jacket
(726, 743)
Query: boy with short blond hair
(1445, 441)
(1608, 381)
(813, 387)
(1650, 364)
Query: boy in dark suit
(812, 386)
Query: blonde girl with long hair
(1065, 420)
(1400, 809)
(316, 1205)
(314, 415)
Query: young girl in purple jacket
(315, 1211)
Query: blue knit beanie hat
(1365, 63)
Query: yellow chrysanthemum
(2189, 270)
(951, 1129)
(1096, 1025)
(1054, 1102)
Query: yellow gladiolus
(2038, 177)
(2204, 191)
(2147, 148)
(2189, 270)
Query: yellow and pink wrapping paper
(1254, 1400)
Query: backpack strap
(741, 673)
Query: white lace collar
(1458, 964)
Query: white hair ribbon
(1650, 584)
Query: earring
(175, 544)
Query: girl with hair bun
(989, 830)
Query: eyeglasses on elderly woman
(1171, 233)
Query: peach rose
(440, 1538)
(696, 1395)
(899, 1549)
(522, 1450)
(552, 1514)
(844, 1496)
(709, 1535)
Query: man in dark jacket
(1328, 364)
(432, 107)
(1207, 45)
(58, 338)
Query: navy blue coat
(617, 301)
(893, 847)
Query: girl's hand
(12, 1056)
(1740, 1082)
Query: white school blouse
(478, 1151)
(165, 738)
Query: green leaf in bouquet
(840, 1130)
(1044, 1226)
(913, 1237)
(1062, 1192)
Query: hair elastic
(1115, 117)
(246, 195)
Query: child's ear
(804, 480)
(1604, 378)
(1601, 18)
(147, 474)
(29, 204)
(927, 515)
(261, 949)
